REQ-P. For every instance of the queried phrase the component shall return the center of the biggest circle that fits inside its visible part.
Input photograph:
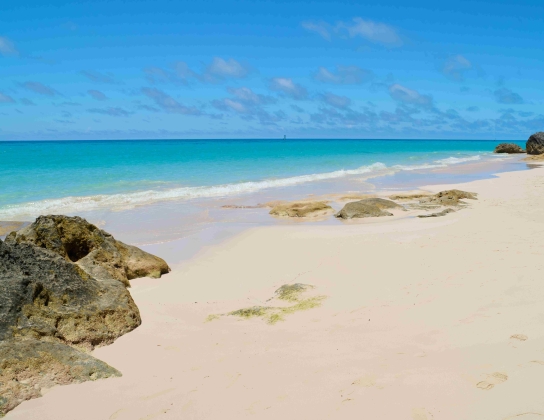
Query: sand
(439, 318)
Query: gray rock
(27, 366)
(509, 148)
(535, 144)
(369, 207)
(438, 214)
(45, 297)
(448, 198)
(93, 249)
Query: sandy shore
(424, 319)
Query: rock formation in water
(63, 282)
(369, 207)
(535, 144)
(509, 148)
(302, 209)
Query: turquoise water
(64, 176)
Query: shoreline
(441, 316)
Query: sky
(174, 69)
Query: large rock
(448, 198)
(47, 297)
(94, 250)
(27, 366)
(369, 207)
(535, 144)
(63, 282)
(509, 148)
(302, 209)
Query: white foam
(131, 200)
(454, 160)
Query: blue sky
(122, 69)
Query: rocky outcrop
(437, 214)
(448, 198)
(63, 282)
(535, 144)
(30, 365)
(509, 148)
(94, 250)
(302, 209)
(408, 197)
(369, 207)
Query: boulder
(44, 296)
(93, 249)
(509, 148)
(535, 144)
(448, 198)
(27, 366)
(357, 210)
(302, 209)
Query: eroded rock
(369, 207)
(302, 209)
(449, 198)
(509, 148)
(437, 214)
(93, 249)
(535, 144)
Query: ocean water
(81, 176)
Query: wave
(117, 202)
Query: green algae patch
(272, 314)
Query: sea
(167, 189)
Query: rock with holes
(45, 296)
(449, 198)
(27, 366)
(94, 250)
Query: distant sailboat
(284, 137)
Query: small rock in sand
(369, 207)
(302, 209)
(448, 198)
(438, 214)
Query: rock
(382, 203)
(448, 198)
(8, 227)
(47, 297)
(407, 197)
(302, 209)
(509, 148)
(438, 214)
(27, 366)
(535, 144)
(93, 249)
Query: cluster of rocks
(63, 291)
(533, 146)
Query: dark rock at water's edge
(509, 148)
(301, 209)
(27, 366)
(535, 144)
(64, 281)
(369, 207)
(437, 214)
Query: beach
(415, 319)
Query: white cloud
(167, 103)
(344, 75)
(7, 47)
(341, 102)
(225, 69)
(320, 28)
(506, 96)
(289, 88)
(96, 94)
(377, 32)
(246, 95)
(95, 76)
(39, 88)
(408, 96)
(454, 67)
